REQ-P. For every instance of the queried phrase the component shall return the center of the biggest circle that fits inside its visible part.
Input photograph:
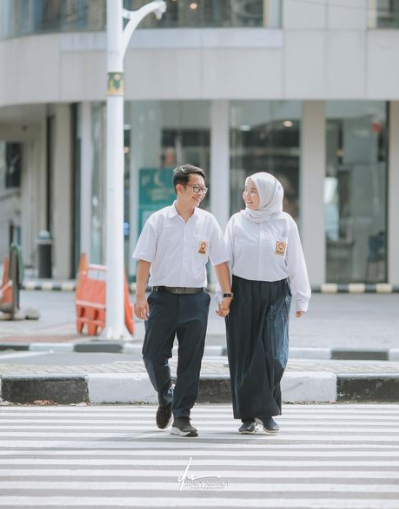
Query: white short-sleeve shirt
(177, 250)
(269, 251)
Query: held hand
(298, 314)
(141, 309)
(224, 307)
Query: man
(173, 248)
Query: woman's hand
(298, 314)
(224, 307)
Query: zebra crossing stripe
(275, 503)
(174, 485)
(375, 475)
(325, 457)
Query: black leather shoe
(269, 424)
(164, 416)
(247, 427)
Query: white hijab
(271, 194)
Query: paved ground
(325, 456)
(15, 366)
(351, 321)
(333, 321)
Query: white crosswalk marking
(325, 457)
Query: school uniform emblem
(280, 247)
(203, 247)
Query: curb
(70, 286)
(356, 288)
(96, 346)
(358, 354)
(135, 388)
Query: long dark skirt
(257, 345)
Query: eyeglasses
(198, 189)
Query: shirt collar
(173, 211)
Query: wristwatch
(229, 295)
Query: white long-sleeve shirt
(269, 251)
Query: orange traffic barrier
(128, 310)
(90, 299)
(82, 271)
(6, 299)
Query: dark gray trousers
(186, 317)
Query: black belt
(179, 290)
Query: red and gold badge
(203, 247)
(280, 247)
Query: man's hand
(298, 314)
(224, 307)
(140, 306)
(141, 309)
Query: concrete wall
(325, 51)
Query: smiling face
(186, 193)
(250, 195)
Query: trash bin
(44, 251)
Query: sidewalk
(335, 321)
(344, 326)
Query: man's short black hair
(181, 174)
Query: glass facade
(384, 14)
(355, 194)
(159, 135)
(214, 14)
(265, 136)
(26, 17)
(10, 195)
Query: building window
(265, 136)
(214, 14)
(355, 191)
(25, 17)
(13, 165)
(10, 194)
(384, 14)
(160, 135)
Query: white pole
(117, 41)
(115, 328)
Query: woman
(267, 266)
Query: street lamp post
(117, 42)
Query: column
(28, 211)
(313, 157)
(393, 202)
(220, 167)
(86, 161)
(62, 191)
